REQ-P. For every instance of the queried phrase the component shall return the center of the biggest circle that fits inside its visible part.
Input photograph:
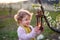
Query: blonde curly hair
(21, 14)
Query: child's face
(26, 21)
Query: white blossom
(49, 18)
(46, 13)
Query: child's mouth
(28, 23)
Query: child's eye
(27, 19)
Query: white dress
(22, 33)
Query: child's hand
(40, 27)
(37, 30)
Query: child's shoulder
(20, 28)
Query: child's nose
(29, 21)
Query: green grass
(8, 30)
(8, 35)
(8, 27)
(5, 11)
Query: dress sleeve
(22, 34)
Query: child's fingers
(37, 29)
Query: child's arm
(22, 34)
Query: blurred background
(8, 26)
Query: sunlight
(11, 1)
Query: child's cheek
(25, 22)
